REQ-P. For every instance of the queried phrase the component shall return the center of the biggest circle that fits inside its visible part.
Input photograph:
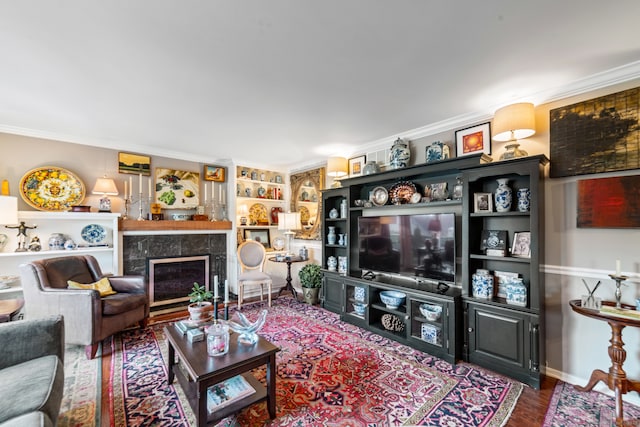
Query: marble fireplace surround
(138, 248)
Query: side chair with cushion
(251, 256)
(72, 286)
(31, 372)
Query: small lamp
(511, 123)
(337, 167)
(106, 187)
(244, 211)
(289, 221)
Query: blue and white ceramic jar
(343, 208)
(399, 155)
(482, 284)
(332, 263)
(359, 293)
(333, 213)
(370, 167)
(431, 333)
(56, 242)
(331, 237)
(342, 264)
(503, 196)
(524, 199)
(517, 292)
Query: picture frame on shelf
(260, 235)
(521, 244)
(494, 242)
(134, 163)
(215, 173)
(356, 164)
(474, 140)
(482, 202)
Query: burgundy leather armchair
(88, 317)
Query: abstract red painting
(609, 202)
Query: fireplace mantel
(134, 225)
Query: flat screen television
(422, 245)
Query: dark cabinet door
(505, 341)
(332, 292)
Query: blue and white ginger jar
(332, 263)
(517, 292)
(524, 200)
(482, 284)
(503, 196)
(399, 155)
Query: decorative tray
(51, 188)
(402, 192)
(379, 196)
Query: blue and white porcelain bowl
(393, 299)
(431, 312)
(359, 308)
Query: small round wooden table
(616, 379)
(9, 308)
(289, 261)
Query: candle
(140, 185)
(213, 193)
(215, 287)
(5, 187)
(205, 193)
(226, 291)
(125, 189)
(220, 196)
(130, 187)
(150, 187)
(617, 267)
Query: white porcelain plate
(93, 234)
(379, 196)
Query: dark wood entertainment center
(503, 337)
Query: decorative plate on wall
(258, 214)
(51, 188)
(94, 234)
(402, 192)
(379, 196)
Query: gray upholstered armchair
(89, 318)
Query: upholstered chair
(251, 256)
(89, 317)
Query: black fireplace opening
(171, 278)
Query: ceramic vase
(503, 196)
(370, 167)
(524, 200)
(56, 242)
(513, 151)
(482, 284)
(341, 239)
(332, 263)
(517, 292)
(399, 155)
(333, 213)
(331, 237)
(343, 208)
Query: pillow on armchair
(103, 286)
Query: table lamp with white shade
(512, 123)
(106, 187)
(338, 168)
(289, 221)
(9, 215)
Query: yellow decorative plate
(258, 214)
(51, 188)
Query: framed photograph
(134, 163)
(176, 189)
(215, 173)
(521, 244)
(503, 278)
(260, 235)
(482, 202)
(474, 140)
(356, 164)
(494, 242)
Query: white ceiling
(288, 82)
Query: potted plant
(311, 281)
(200, 304)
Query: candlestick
(618, 279)
(226, 291)
(125, 190)
(150, 193)
(140, 206)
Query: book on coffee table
(227, 392)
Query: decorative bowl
(393, 299)
(431, 312)
(359, 308)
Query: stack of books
(229, 391)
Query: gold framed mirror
(307, 199)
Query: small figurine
(34, 244)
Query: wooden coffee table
(197, 371)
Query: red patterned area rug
(329, 373)
(571, 408)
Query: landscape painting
(134, 163)
(609, 202)
(596, 136)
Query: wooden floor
(529, 411)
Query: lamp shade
(513, 122)
(8, 210)
(105, 186)
(288, 221)
(337, 166)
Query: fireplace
(171, 278)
